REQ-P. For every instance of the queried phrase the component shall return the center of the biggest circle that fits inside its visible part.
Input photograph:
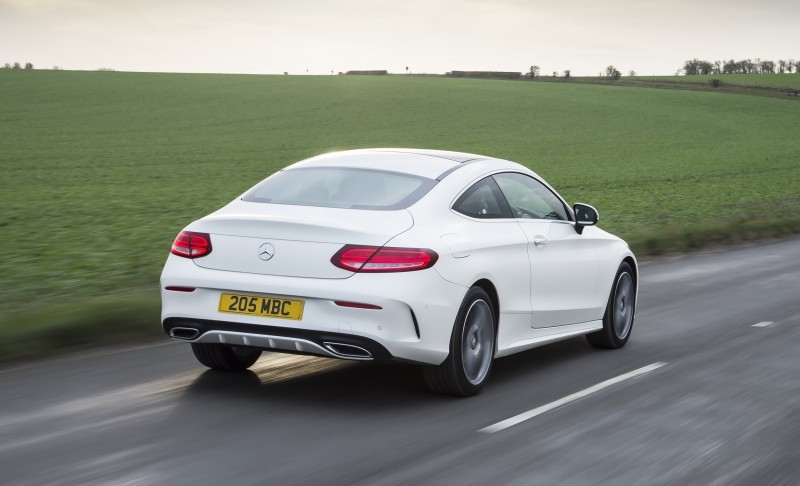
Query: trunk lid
(287, 240)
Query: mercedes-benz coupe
(444, 259)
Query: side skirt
(549, 335)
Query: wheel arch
(490, 289)
(630, 260)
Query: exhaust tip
(184, 333)
(348, 351)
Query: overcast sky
(268, 36)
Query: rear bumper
(414, 322)
(279, 339)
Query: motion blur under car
(443, 259)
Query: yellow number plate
(261, 305)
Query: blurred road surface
(724, 409)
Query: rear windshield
(337, 187)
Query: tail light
(376, 259)
(189, 244)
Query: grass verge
(87, 324)
(688, 239)
(122, 320)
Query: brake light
(382, 259)
(189, 244)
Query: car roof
(432, 164)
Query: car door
(563, 264)
(489, 243)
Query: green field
(102, 169)
(786, 80)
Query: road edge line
(509, 422)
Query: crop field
(766, 80)
(100, 170)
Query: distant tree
(567, 73)
(781, 66)
(729, 67)
(555, 74)
(28, 65)
(612, 72)
(6, 66)
(789, 65)
(631, 73)
(745, 66)
(534, 71)
(16, 66)
(697, 66)
(767, 67)
(690, 68)
(717, 67)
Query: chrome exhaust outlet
(185, 333)
(349, 351)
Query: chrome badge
(266, 251)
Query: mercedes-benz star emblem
(266, 251)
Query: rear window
(337, 187)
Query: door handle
(539, 240)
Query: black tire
(225, 358)
(472, 345)
(620, 311)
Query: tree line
(745, 66)
(17, 65)
(610, 72)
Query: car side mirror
(585, 215)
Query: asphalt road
(724, 409)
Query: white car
(443, 259)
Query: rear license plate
(261, 305)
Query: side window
(483, 200)
(530, 198)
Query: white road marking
(569, 399)
(763, 324)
